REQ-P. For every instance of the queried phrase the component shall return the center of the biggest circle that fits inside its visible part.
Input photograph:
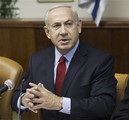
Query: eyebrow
(65, 21)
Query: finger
(27, 102)
(36, 100)
(30, 104)
(36, 93)
(29, 94)
(32, 84)
(33, 110)
(40, 87)
(38, 106)
(40, 84)
(34, 88)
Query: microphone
(8, 85)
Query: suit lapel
(50, 71)
(77, 62)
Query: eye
(69, 24)
(56, 26)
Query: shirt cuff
(66, 106)
(19, 103)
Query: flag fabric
(94, 7)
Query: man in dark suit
(122, 110)
(89, 87)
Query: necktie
(60, 74)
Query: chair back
(121, 85)
(9, 69)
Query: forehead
(61, 13)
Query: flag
(94, 7)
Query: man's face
(63, 29)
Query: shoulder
(100, 59)
(95, 57)
(43, 54)
(94, 52)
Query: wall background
(26, 36)
(34, 9)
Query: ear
(79, 24)
(46, 29)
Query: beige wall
(34, 9)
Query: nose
(63, 30)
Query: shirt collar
(68, 56)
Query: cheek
(74, 34)
(53, 34)
(54, 39)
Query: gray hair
(75, 14)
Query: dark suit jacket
(122, 110)
(89, 82)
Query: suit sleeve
(101, 100)
(19, 91)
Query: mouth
(64, 41)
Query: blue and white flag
(94, 7)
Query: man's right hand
(27, 100)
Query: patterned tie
(60, 74)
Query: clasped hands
(38, 97)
